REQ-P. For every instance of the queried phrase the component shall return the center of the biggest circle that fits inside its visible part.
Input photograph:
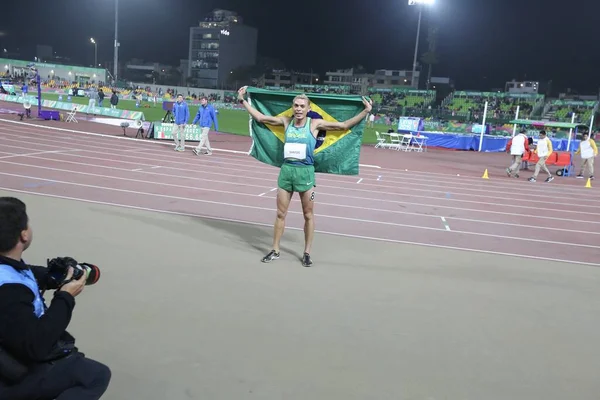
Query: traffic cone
(485, 175)
(589, 183)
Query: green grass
(230, 121)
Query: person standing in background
(100, 97)
(181, 113)
(206, 116)
(588, 150)
(543, 150)
(517, 146)
(114, 99)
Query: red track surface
(412, 198)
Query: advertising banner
(165, 131)
(83, 109)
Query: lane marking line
(406, 242)
(445, 224)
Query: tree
(431, 57)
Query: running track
(500, 216)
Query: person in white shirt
(588, 150)
(543, 150)
(517, 146)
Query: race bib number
(296, 151)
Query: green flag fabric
(338, 152)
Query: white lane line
(158, 142)
(35, 154)
(445, 223)
(378, 239)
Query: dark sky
(482, 43)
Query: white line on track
(35, 154)
(359, 220)
(445, 223)
(324, 193)
(497, 253)
(220, 171)
(486, 191)
(132, 139)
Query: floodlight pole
(483, 126)
(95, 51)
(515, 125)
(414, 71)
(116, 59)
(570, 133)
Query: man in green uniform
(297, 173)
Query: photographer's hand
(76, 286)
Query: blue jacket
(206, 115)
(181, 112)
(9, 275)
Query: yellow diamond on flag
(330, 138)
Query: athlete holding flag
(297, 173)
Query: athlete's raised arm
(258, 116)
(322, 125)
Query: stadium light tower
(420, 4)
(116, 59)
(95, 52)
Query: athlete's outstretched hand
(242, 92)
(368, 104)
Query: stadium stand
(562, 110)
(399, 101)
(471, 104)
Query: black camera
(58, 268)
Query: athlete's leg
(307, 199)
(284, 196)
(283, 202)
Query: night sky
(481, 44)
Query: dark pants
(71, 378)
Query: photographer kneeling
(38, 357)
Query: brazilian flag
(337, 152)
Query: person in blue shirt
(181, 113)
(205, 118)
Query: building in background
(360, 81)
(218, 45)
(287, 79)
(522, 87)
(386, 78)
(151, 72)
